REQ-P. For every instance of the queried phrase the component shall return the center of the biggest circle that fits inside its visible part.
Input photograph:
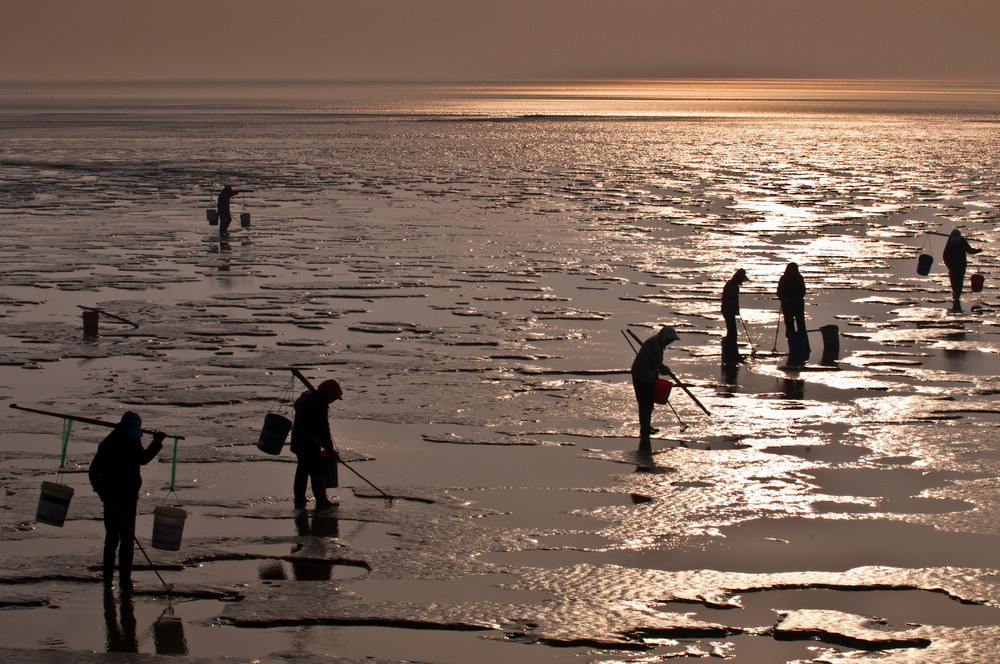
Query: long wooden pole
(78, 418)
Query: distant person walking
(225, 215)
(956, 251)
(115, 476)
(646, 368)
(310, 436)
(730, 310)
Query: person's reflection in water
(318, 523)
(121, 636)
(793, 388)
(730, 372)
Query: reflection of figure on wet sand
(646, 368)
(730, 310)
(121, 637)
(956, 251)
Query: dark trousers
(224, 221)
(957, 276)
(309, 470)
(644, 398)
(795, 318)
(119, 529)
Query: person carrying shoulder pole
(646, 368)
(956, 250)
(310, 436)
(114, 473)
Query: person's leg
(957, 277)
(301, 479)
(126, 549)
(644, 399)
(112, 533)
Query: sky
(479, 40)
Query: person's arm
(149, 453)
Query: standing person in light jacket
(646, 368)
(310, 436)
(115, 476)
(956, 251)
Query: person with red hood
(310, 437)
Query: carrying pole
(78, 418)
(676, 379)
(305, 381)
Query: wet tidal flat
(473, 311)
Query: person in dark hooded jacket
(310, 437)
(730, 310)
(955, 258)
(646, 368)
(115, 476)
(792, 294)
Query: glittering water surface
(464, 260)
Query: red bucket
(661, 391)
(976, 282)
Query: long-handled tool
(777, 327)
(753, 349)
(677, 380)
(78, 418)
(305, 381)
(105, 313)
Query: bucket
(273, 434)
(924, 264)
(213, 216)
(53, 503)
(831, 344)
(328, 464)
(661, 391)
(976, 282)
(798, 349)
(91, 323)
(245, 219)
(168, 526)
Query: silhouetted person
(116, 477)
(730, 310)
(310, 436)
(225, 216)
(955, 257)
(792, 294)
(646, 368)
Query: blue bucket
(273, 434)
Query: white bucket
(54, 503)
(168, 527)
(245, 220)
